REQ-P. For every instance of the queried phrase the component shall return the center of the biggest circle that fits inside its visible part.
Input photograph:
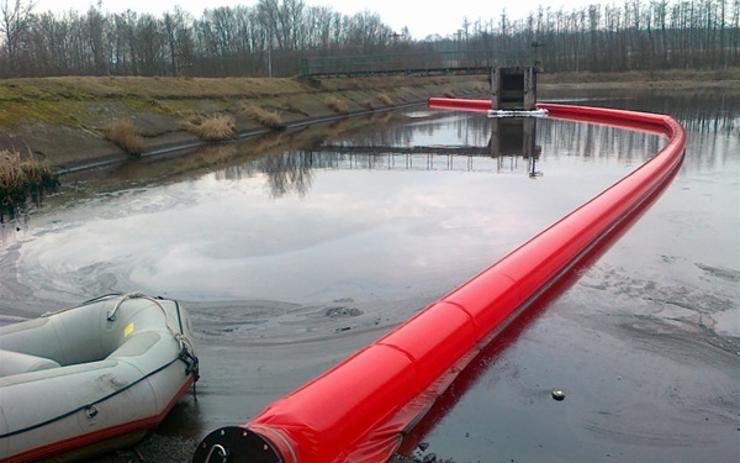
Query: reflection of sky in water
(369, 234)
(446, 128)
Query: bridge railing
(392, 63)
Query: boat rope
(87, 302)
(186, 355)
(182, 339)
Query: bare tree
(15, 18)
(275, 35)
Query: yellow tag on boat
(128, 330)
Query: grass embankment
(74, 119)
(21, 177)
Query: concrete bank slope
(64, 120)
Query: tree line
(226, 41)
(633, 35)
(273, 36)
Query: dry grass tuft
(368, 104)
(213, 128)
(264, 117)
(336, 104)
(123, 133)
(11, 173)
(448, 93)
(385, 99)
(19, 177)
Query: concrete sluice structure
(514, 88)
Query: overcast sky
(422, 17)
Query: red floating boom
(358, 410)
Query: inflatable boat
(110, 367)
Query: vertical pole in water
(495, 142)
(530, 88)
(529, 134)
(495, 88)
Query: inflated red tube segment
(358, 410)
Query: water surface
(646, 344)
(293, 251)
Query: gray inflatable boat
(109, 367)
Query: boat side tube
(359, 410)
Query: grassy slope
(65, 100)
(63, 119)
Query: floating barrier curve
(359, 410)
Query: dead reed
(385, 99)
(337, 105)
(264, 117)
(21, 176)
(212, 128)
(123, 133)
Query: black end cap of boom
(234, 444)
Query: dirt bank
(64, 120)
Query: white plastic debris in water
(516, 113)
